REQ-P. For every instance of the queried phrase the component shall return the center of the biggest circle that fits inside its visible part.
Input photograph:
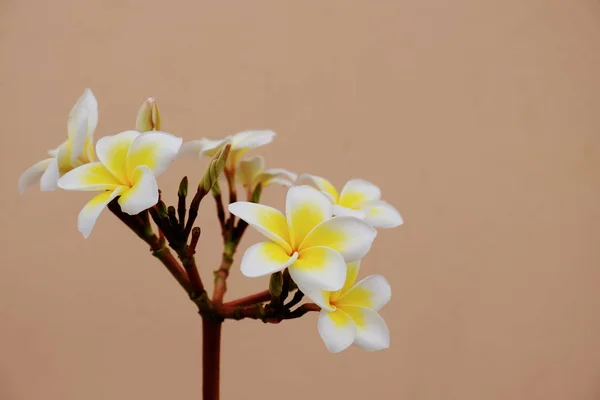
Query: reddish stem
(221, 276)
(211, 358)
(255, 298)
(255, 311)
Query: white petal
(251, 139)
(82, 122)
(336, 329)
(278, 181)
(324, 186)
(267, 220)
(49, 179)
(279, 176)
(91, 211)
(319, 297)
(350, 236)
(112, 152)
(305, 208)
(90, 152)
(351, 274)
(33, 174)
(142, 195)
(281, 173)
(372, 332)
(319, 268)
(249, 169)
(155, 150)
(264, 259)
(372, 292)
(206, 147)
(348, 212)
(92, 176)
(382, 215)
(358, 191)
(63, 158)
(191, 148)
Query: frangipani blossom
(129, 163)
(240, 143)
(312, 244)
(361, 199)
(78, 149)
(350, 315)
(252, 172)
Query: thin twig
(189, 263)
(300, 311)
(298, 296)
(255, 298)
(156, 245)
(230, 175)
(193, 212)
(221, 275)
(256, 311)
(220, 212)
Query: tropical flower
(308, 241)
(360, 199)
(129, 163)
(78, 149)
(240, 143)
(252, 172)
(349, 315)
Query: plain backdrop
(480, 121)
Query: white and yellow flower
(78, 149)
(240, 143)
(312, 244)
(350, 315)
(360, 199)
(252, 172)
(129, 163)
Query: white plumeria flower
(350, 315)
(361, 199)
(78, 149)
(129, 163)
(308, 241)
(252, 172)
(240, 143)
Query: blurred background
(479, 120)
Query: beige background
(479, 119)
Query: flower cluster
(315, 246)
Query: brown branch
(211, 358)
(221, 275)
(193, 211)
(172, 213)
(189, 263)
(298, 296)
(166, 257)
(256, 311)
(144, 231)
(255, 298)
(300, 311)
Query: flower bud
(148, 118)
(276, 284)
(183, 187)
(215, 168)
